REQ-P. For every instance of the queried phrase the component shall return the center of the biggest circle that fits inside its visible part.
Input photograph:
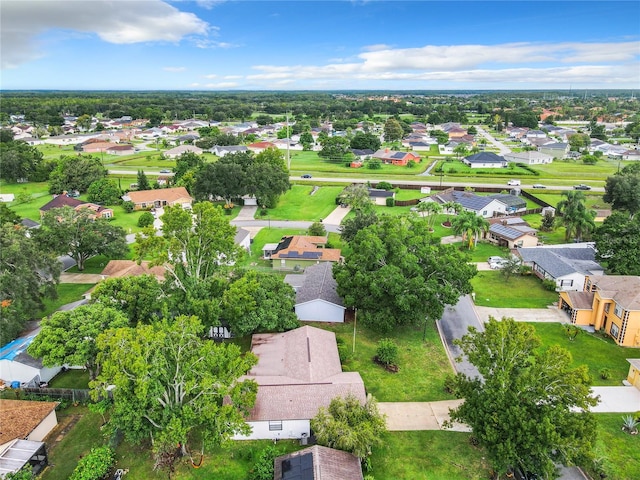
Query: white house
(316, 296)
(531, 157)
(179, 150)
(567, 264)
(16, 365)
(243, 238)
(297, 373)
(483, 206)
(485, 160)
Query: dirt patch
(388, 368)
(58, 433)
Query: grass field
(493, 290)
(617, 450)
(78, 379)
(299, 204)
(589, 349)
(67, 293)
(483, 250)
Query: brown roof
(61, 201)
(21, 417)
(327, 464)
(580, 300)
(122, 268)
(624, 289)
(297, 373)
(169, 195)
(296, 246)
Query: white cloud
(376, 48)
(112, 21)
(222, 85)
(232, 77)
(174, 69)
(211, 75)
(206, 43)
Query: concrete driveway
(407, 416)
(549, 314)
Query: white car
(513, 183)
(496, 263)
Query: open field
(299, 204)
(493, 290)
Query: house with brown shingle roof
(297, 373)
(162, 197)
(26, 420)
(125, 268)
(318, 463)
(296, 252)
(65, 200)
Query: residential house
(513, 203)
(146, 199)
(259, 147)
(631, 155)
(362, 154)
(7, 197)
(62, 140)
(181, 150)
(243, 239)
(517, 132)
(456, 132)
(297, 373)
(33, 141)
(317, 299)
(318, 463)
(164, 179)
(221, 151)
(633, 378)
(379, 196)
(64, 200)
(127, 268)
(511, 232)
(537, 142)
(25, 424)
(16, 365)
(97, 147)
(610, 303)
(555, 150)
(535, 134)
(484, 206)
(568, 265)
(122, 149)
(297, 252)
(151, 133)
(395, 158)
(485, 160)
(531, 157)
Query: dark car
(538, 185)
(306, 175)
(582, 186)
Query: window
(607, 306)
(566, 283)
(275, 425)
(618, 311)
(615, 330)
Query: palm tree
(461, 150)
(574, 216)
(469, 225)
(429, 210)
(448, 206)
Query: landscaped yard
(493, 290)
(67, 293)
(483, 250)
(617, 449)
(589, 349)
(299, 204)
(264, 236)
(77, 379)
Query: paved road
(282, 224)
(499, 145)
(455, 323)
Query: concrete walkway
(405, 416)
(617, 399)
(336, 217)
(549, 314)
(88, 278)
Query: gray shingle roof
(485, 157)
(468, 200)
(560, 261)
(512, 201)
(319, 284)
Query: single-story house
(182, 149)
(317, 463)
(96, 147)
(485, 160)
(122, 149)
(511, 232)
(484, 206)
(513, 203)
(395, 158)
(379, 196)
(16, 365)
(221, 151)
(568, 265)
(607, 302)
(162, 197)
(631, 155)
(126, 268)
(316, 297)
(362, 154)
(260, 146)
(33, 141)
(296, 252)
(65, 200)
(531, 157)
(556, 150)
(297, 373)
(243, 238)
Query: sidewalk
(617, 399)
(549, 314)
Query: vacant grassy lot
(617, 449)
(576, 169)
(299, 204)
(593, 199)
(589, 349)
(67, 293)
(493, 290)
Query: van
(513, 183)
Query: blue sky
(329, 45)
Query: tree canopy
(172, 386)
(618, 244)
(28, 275)
(364, 141)
(75, 173)
(105, 191)
(19, 160)
(530, 408)
(397, 275)
(574, 215)
(69, 337)
(622, 190)
(393, 130)
(336, 149)
(77, 233)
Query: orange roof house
(162, 197)
(297, 252)
(64, 200)
(395, 158)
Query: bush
(605, 373)
(374, 164)
(128, 206)
(95, 465)
(344, 351)
(316, 229)
(146, 219)
(387, 352)
(549, 284)
(390, 202)
(263, 468)
(384, 186)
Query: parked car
(513, 183)
(496, 263)
(306, 175)
(582, 186)
(165, 170)
(538, 185)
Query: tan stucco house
(145, 199)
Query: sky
(318, 45)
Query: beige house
(146, 199)
(296, 252)
(182, 149)
(634, 372)
(511, 232)
(26, 420)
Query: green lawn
(67, 293)
(483, 250)
(617, 449)
(298, 204)
(78, 379)
(423, 366)
(589, 349)
(493, 290)
(264, 236)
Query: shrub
(317, 229)
(128, 206)
(390, 202)
(374, 164)
(344, 351)
(387, 352)
(95, 465)
(630, 425)
(146, 219)
(384, 186)
(263, 468)
(549, 284)
(605, 373)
